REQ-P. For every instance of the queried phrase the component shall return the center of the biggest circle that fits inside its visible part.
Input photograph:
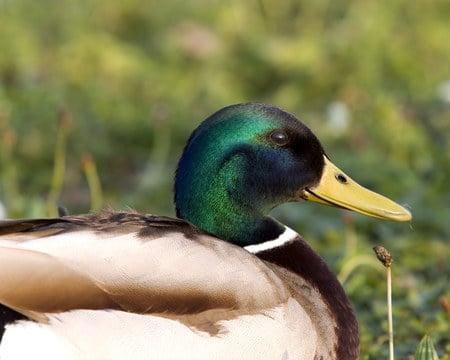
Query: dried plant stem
(59, 166)
(95, 188)
(386, 259)
(390, 322)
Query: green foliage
(371, 78)
(425, 350)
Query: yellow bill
(337, 189)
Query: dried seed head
(383, 255)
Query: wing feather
(38, 282)
(137, 263)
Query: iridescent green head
(246, 159)
(240, 163)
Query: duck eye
(278, 137)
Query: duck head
(246, 159)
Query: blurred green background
(109, 91)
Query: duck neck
(227, 218)
(224, 205)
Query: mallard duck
(223, 280)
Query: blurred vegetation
(109, 91)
